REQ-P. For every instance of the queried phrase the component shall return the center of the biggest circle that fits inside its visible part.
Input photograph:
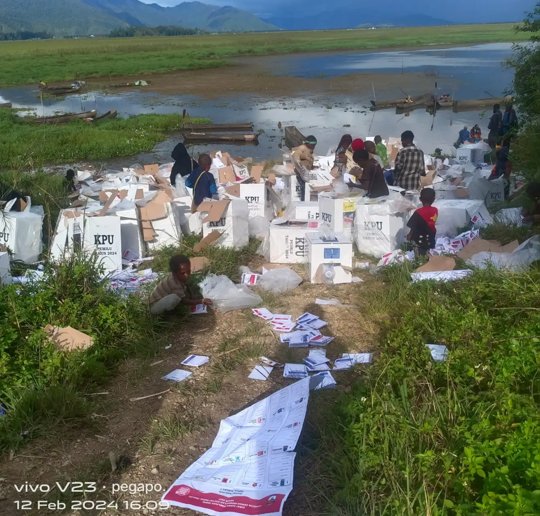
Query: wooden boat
(112, 113)
(412, 104)
(61, 119)
(293, 137)
(200, 137)
(471, 105)
(208, 128)
(385, 104)
(64, 89)
(5, 104)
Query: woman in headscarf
(184, 164)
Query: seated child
(173, 290)
(422, 223)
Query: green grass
(27, 146)
(58, 60)
(43, 388)
(457, 437)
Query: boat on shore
(112, 113)
(386, 104)
(6, 105)
(471, 105)
(202, 137)
(412, 104)
(245, 127)
(62, 89)
(61, 119)
(293, 137)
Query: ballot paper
(249, 468)
(178, 375)
(295, 371)
(320, 381)
(321, 340)
(298, 338)
(199, 309)
(283, 327)
(263, 313)
(439, 352)
(195, 360)
(348, 360)
(260, 372)
(268, 361)
(311, 320)
(329, 302)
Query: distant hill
(85, 17)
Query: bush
(32, 368)
(458, 437)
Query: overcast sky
(479, 10)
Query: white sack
(227, 296)
(279, 281)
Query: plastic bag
(258, 227)
(510, 216)
(279, 281)
(527, 253)
(227, 296)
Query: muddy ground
(249, 76)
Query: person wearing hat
(304, 153)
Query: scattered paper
(249, 468)
(295, 371)
(250, 278)
(321, 340)
(320, 381)
(348, 360)
(439, 352)
(311, 320)
(329, 302)
(195, 360)
(261, 372)
(263, 313)
(178, 375)
(268, 361)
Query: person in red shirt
(422, 223)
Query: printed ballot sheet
(249, 468)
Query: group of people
(472, 136)
(363, 164)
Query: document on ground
(249, 468)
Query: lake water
(466, 72)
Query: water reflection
(475, 70)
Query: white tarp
(249, 468)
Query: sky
(455, 10)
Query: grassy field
(57, 60)
(27, 146)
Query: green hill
(84, 17)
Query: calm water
(467, 72)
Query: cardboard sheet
(438, 263)
(478, 245)
(68, 338)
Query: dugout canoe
(473, 104)
(293, 137)
(112, 113)
(62, 89)
(202, 137)
(418, 102)
(5, 104)
(244, 127)
(386, 104)
(62, 119)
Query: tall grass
(27, 146)
(56, 60)
(457, 437)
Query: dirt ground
(248, 75)
(156, 438)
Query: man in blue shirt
(464, 136)
(202, 181)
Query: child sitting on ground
(422, 223)
(173, 290)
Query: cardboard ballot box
(287, 242)
(491, 191)
(76, 230)
(297, 192)
(455, 214)
(303, 211)
(229, 218)
(329, 256)
(254, 194)
(21, 233)
(467, 155)
(5, 271)
(378, 229)
(337, 213)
